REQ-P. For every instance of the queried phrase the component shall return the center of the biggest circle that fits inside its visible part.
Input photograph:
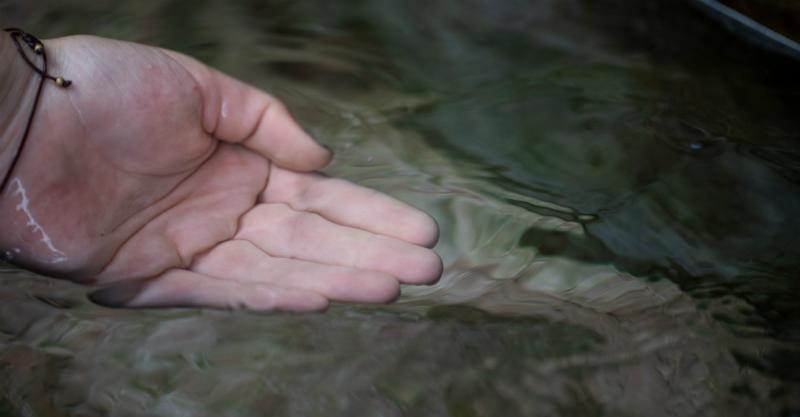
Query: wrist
(17, 92)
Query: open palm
(171, 184)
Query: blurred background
(617, 184)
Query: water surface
(617, 184)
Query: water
(617, 185)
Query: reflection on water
(617, 187)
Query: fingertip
(316, 158)
(435, 271)
(329, 153)
(420, 228)
(319, 156)
(425, 268)
(390, 294)
(383, 289)
(281, 139)
(307, 156)
(428, 235)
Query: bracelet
(37, 47)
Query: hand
(171, 184)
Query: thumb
(239, 113)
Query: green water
(617, 183)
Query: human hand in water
(171, 184)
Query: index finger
(348, 204)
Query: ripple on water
(615, 224)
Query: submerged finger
(182, 288)
(351, 205)
(283, 232)
(242, 261)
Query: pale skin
(168, 183)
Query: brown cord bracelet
(37, 47)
